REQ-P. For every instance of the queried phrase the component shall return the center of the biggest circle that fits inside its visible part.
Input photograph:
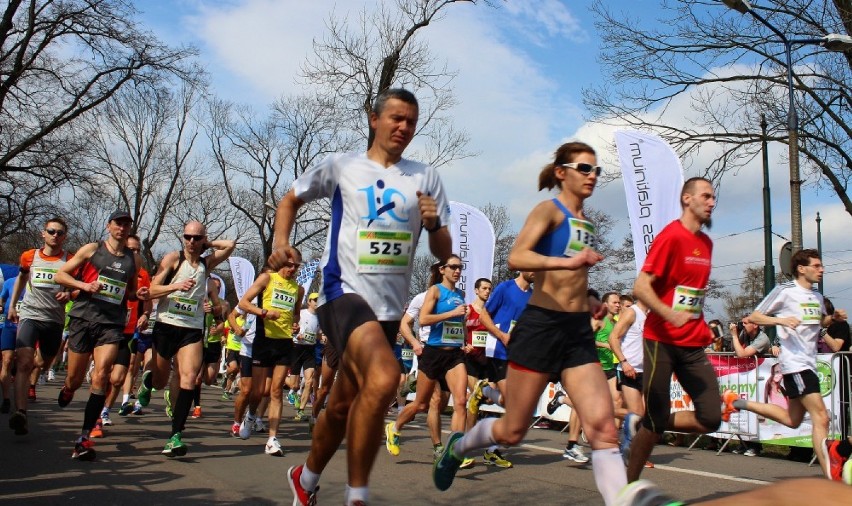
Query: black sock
(181, 410)
(148, 380)
(196, 395)
(570, 445)
(93, 410)
(844, 449)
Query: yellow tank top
(280, 295)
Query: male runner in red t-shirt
(672, 284)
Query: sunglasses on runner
(191, 237)
(135, 250)
(583, 168)
(53, 231)
(455, 267)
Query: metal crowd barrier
(739, 375)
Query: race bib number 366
(384, 251)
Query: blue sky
(520, 71)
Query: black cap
(120, 215)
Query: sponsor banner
(653, 177)
(243, 273)
(760, 380)
(306, 276)
(473, 242)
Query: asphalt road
(38, 469)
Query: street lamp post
(820, 285)
(768, 268)
(832, 42)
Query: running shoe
(554, 403)
(235, 429)
(475, 399)
(6, 406)
(644, 493)
(125, 409)
(143, 394)
(31, 393)
(444, 469)
(832, 458)
(496, 458)
(750, 452)
(437, 450)
(728, 398)
(846, 475)
(137, 408)
(97, 431)
(105, 419)
(291, 398)
(175, 447)
(467, 463)
(300, 415)
(246, 426)
(575, 453)
(297, 403)
(301, 497)
(391, 439)
(196, 413)
(51, 375)
(273, 447)
(168, 398)
(84, 449)
(259, 426)
(649, 464)
(628, 429)
(65, 397)
(18, 423)
(226, 396)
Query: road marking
(705, 474)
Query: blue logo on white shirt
(387, 204)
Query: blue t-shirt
(505, 305)
(447, 333)
(6, 295)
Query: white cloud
(516, 113)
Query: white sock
(477, 438)
(355, 494)
(125, 398)
(491, 393)
(610, 475)
(492, 448)
(309, 479)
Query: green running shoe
(143, 394)
(175, 447)
(445, 467)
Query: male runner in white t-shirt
(798, 312)
(379, 204)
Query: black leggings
(695, 374)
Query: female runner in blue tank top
(444, 311)
(553, 336)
